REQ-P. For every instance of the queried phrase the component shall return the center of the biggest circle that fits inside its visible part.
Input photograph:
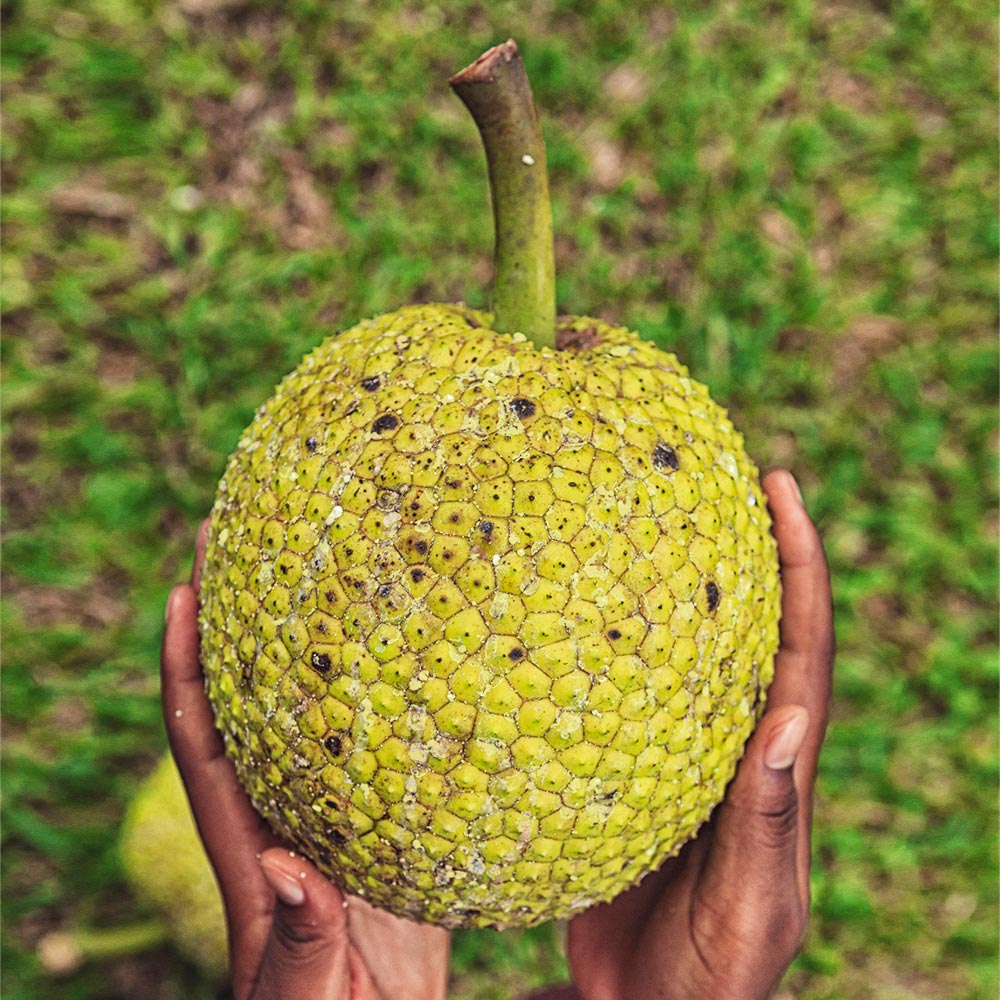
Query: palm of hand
(339, 946)
(606, 942)
(669, 938)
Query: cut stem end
(496, 91)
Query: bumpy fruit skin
(486, 627)
(168, 869)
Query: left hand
(724, 919)
(292, 933)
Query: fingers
(748, 899)
(804, 665)
(806, 607)
(755, 884)
(190, 724)
(187, 713)
(232, 832)
(307, 951)
(219, 804)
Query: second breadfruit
(169, 871)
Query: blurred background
(798, 197)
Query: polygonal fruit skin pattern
(486, 627)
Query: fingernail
(169, 607)
(784, 745)
(286, 888)
(795, 486)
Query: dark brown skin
(721, 921)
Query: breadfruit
(486, 625)
(490, 602)
(167, 868)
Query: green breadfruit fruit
(167, 868)
(168, 871)
(487, 620)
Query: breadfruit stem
(61, 952)
(496, 91)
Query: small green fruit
(167, 867)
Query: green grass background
(797, 196)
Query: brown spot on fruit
(614, 634)
(321, 662)
(664, 457)
(387, 422)
(334, 744)
(311, 443)
(516, 654)
(416, 575)
(523, 408)
(713, 594)
(577, 340)
(370, 384)
(388, 500)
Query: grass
(798, 198)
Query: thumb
(751, 874)
(307, 952)
(762, 803)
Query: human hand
(292, 933)
(724, 919)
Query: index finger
(231, 830)
(805, 657)
(803, 672)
